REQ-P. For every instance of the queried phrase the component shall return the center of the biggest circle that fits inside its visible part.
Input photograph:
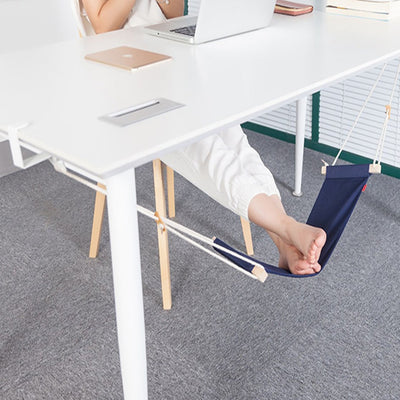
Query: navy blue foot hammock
(335, 203)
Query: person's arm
(172, 8)
(108, 15)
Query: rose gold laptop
(127, 57)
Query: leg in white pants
(225, 167)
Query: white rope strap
(379, 150)
(180, 231)
(359, 114)
(212, 253)
(60, 166)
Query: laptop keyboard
(186, 30)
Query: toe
(316, 267)
(320, 239)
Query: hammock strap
(181, 231)
(359, 114)
(379, 150)
(211, 253)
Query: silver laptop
(217, 19)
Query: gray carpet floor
(335, 336)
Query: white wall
(29, 23)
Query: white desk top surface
(221, 83)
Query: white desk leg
(128, 293)
(301, 110)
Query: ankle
(288, 226)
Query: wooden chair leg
(247, 236)
(171, 192)
(98, 214)
(162, 235)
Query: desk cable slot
(140, 112)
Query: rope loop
(388, 108)
(160, 222)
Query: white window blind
(284, 119)
(193, 7)
(341, 103)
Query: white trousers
(225, 167)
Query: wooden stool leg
(247, 236)
(162, 235)
(171, 192)
(98, 214)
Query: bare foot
(307, 239)
(291, 259)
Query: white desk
(221, 83)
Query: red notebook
(290, 8)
